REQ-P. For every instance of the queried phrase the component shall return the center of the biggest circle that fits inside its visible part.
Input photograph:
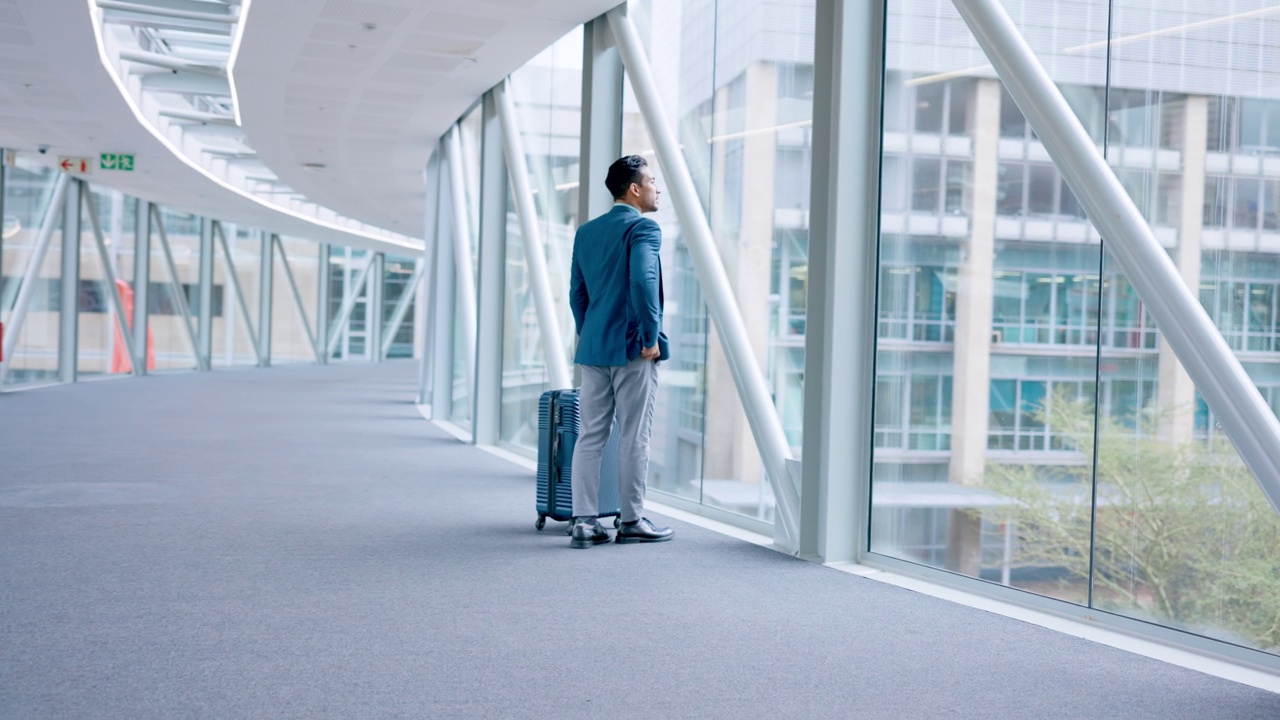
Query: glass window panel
(289, 339)
(926, 177)
(1041, 290)
(28, 190)
(929, 100)
(547, 95)
(1041, 183)
(742, 111)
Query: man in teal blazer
(615, 291)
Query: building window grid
(1246, 311)
(922, 314)
(1016, 404)
(913, 411)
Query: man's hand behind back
(650, 353)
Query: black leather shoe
(586, 533)
(643, 531)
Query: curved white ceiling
(364, 88)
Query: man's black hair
(623, 172)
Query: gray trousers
(627, 392)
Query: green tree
(1182, 534)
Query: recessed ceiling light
(313, 166)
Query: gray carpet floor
(298, 542)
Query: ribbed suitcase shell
(558, 425)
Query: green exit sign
(116, 161)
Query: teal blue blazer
(615, 288)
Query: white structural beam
(535, 259)
(841, 303)
(170, 62)
(465, 300)
(1228, 390)
(113, 289)
(21, 304)
(173, 12)
(766, 426)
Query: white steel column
(373, 308)
(431, 239)
(266, 295)
(141, 285)
(179, 293)
(753, 390)
(534, 254)
(465, 288)
(601, 129)
(445, 315)
(204, 324)
(322, 303)
(234, 278)
(844, 222)
(486, 406)
(1221, 379)
(69, 317)
(113, 290)
(27, 289)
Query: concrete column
(1176, 392)
(971, 377)
(730, 449)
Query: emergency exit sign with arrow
(116, 161)
(75, 164)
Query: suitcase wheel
(542, 522)
(617, 522)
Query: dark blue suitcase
(558, 424)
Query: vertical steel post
(142, 283)
(430, 254)
(753, 390)
(205, 291)
(601, 128)
(445, 301)
(324, 275)
(486, 393)
(373, 307)
(840, 316)
(1227, 389)
(266, 296)
(465, 285)
(69, 317)
(22, 303)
